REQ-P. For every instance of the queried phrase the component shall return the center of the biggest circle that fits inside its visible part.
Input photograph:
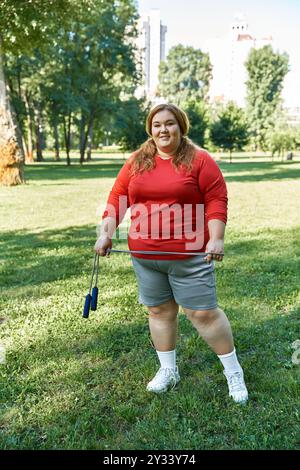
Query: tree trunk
(90, 142)
(11, 148)
(85, 137)
(56, 141)
(230, 156)
(38, 133)
(82, 144)
(29, 147)
(67, 135)
(25, 148)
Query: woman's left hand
(215, 250)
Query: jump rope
(91, 298)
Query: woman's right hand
(102, 245)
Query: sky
(193, 22)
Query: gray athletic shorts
(191, 282)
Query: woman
(166, 182)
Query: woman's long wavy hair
(143, 158)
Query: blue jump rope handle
(86, 309)
(94, 298)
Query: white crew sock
(230, 362)
(167, 359)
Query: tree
(297, 137)
(185, 75)
(229, 131)
(130, 122)
(198, 117)
(280, 139)
(26, 78)
(23, 25)
(108, 66)
(266, 72)
(87, 57)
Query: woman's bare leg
(214, 327)
(163, 325)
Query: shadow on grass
(109, 169)
(32, 259)
(268, 171)
(111, 360)
(98, 368)
(104, 376)
(105, 169)
(252, 165)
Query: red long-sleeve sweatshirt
(169, 209)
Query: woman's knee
(202, 316)
(166, 310)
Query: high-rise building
(228, 55)
(152, 45)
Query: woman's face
(166, 131)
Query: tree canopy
(68, 65)
(198, 117)
(28, 24)
(266, 72)
(185, 75)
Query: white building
(152, 45)
(228, 55)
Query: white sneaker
(237, 387)
(163, 379)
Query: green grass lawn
(72, 383)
